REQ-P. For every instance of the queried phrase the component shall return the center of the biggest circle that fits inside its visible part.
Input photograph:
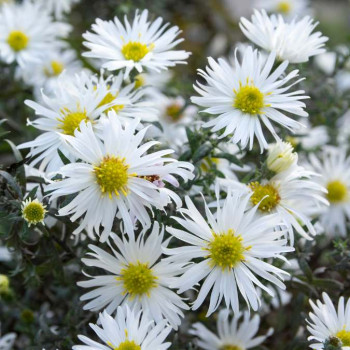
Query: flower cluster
(174, 203)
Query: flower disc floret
(284, 7)
(17, 40)
(249, 99)
(135, 51)
(337, 191)
(226, 250)
(230, 347)
(112, 175)
(272, 197)
(33, 211)
(138, 279)
(71, 121)
(56, 69)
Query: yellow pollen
(139, 81)
(17, 40)
(344, 336)
(125, 345)
(230, 347)
(284, 7)
(208, 162)
(226, 250)
(173, 112)
(108, 99)
(135, 51)
(33, 211)
(337, 191)
(138, 279)
(249, 99)
(260, 191)
(71, 121)
(56, 68)
(112, 176)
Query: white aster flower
(138, 45)
(7, 341)
(236, 334)
(28, 32)
(75, 99)
(245, 95)
(290, 194)
(116, 177)
(287, 8)
(58, 7)
(294, 41)
(136, 277)
(130, 330)
(228, 252)
(44, 74)
(33, 211)
(326, 322)
(334, 167)
(281, 157)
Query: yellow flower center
(173, 112)
(17, 40)
(137, 279)
(108, 99)
(125, 345)
(260, 191)
(135, 51)
(344, 336)
(284, 7)
(337, 191)
(112, 175)
(226, 250)
(33, 212)
(208, 162)
(71, 121)
(230, 347)
(4, 284)
(56, 68)
(249, 99)
(139, 81)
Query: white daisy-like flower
(75, 99)
(155, 81)
(228, 250)
(294, 41)
(138, 45)
(28, 32)
(58, 8)
(245, 95)
(136, 277)
(290, 194)
(174, 116)
(134, 101)
(44, 74)
(116, 177)
(326, 322)
(281, 157)
(287, 8)
(130, 330)
(7, 341)
(236, 334)
(334, 167)
(33, 211)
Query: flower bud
(281, 156)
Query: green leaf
(15, 151)
(64, 159)
(12, 182)
(202, 152)
(230, 157)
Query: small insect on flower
(33, 211)
(235, 335)
(138, 45)
(228, 250)
(328, 324)
(130, 330)
(246, 95)
(119, 177)
(294, 42)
